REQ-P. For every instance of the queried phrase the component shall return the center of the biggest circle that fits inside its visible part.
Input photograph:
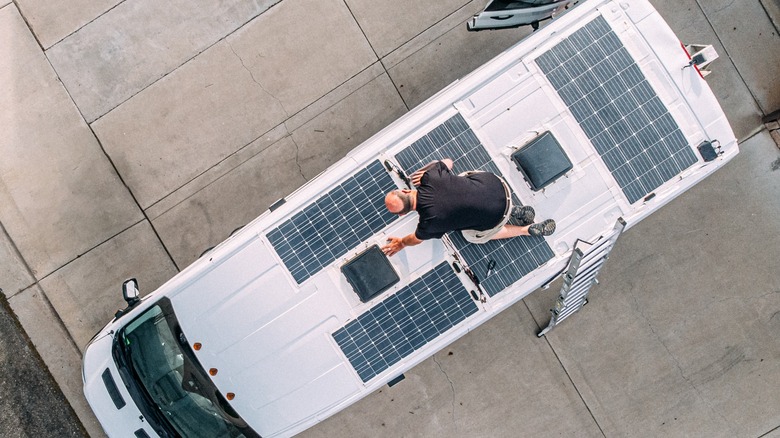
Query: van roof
(605, 84)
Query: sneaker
(524, 215)
(545, 228)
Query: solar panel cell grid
(405, 322)
(617, 108)
(335, 223)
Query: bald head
(399, 202)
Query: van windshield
(168, 383)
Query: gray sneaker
(523, 215)
(545, 228)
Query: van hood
(269, 340)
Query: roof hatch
(370, 273)
(542, 161)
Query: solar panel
(335, 223)
(404, 322)
(514, 258)
(611, 99)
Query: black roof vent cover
(370, 273)
(542, 161)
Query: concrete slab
(752, 42)
(499, 380)
(4, 2)
(269, 138)
(217, 172)
(87, 292)
(430, 34)
(57, 350)
(384, 34)
(208, 217)
(331, 135)
(322, 48)
(683, 330)
(690, 24)
(60, 194)
(431, 61)
(230, 95)
(335, 96)
(51, 22)
(136, 43)
(186, 123)
(14, 275)
(628, 379)
(239, 195)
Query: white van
(596, 119)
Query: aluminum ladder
(580, 275)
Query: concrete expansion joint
(252, 75)
(452, 387)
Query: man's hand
(394, 244)
(418, 174)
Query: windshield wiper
(193, 380)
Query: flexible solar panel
(404, 322)
(616, 106)
(514, 258)
(335, 223)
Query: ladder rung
(580, 295)
(594, 261)
(596, 252)
(566, 314)
(585, 281)
(580, 275)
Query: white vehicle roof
(266, 314)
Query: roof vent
(542, 161)
(370, 273)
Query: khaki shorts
(475, 236)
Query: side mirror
(130, 292)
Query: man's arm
(418, 174)
(395, 244)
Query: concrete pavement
(137, 134)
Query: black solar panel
(618, 109)
(335, 223)
(404, 322)
(514, 258)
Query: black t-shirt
(448, 202)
